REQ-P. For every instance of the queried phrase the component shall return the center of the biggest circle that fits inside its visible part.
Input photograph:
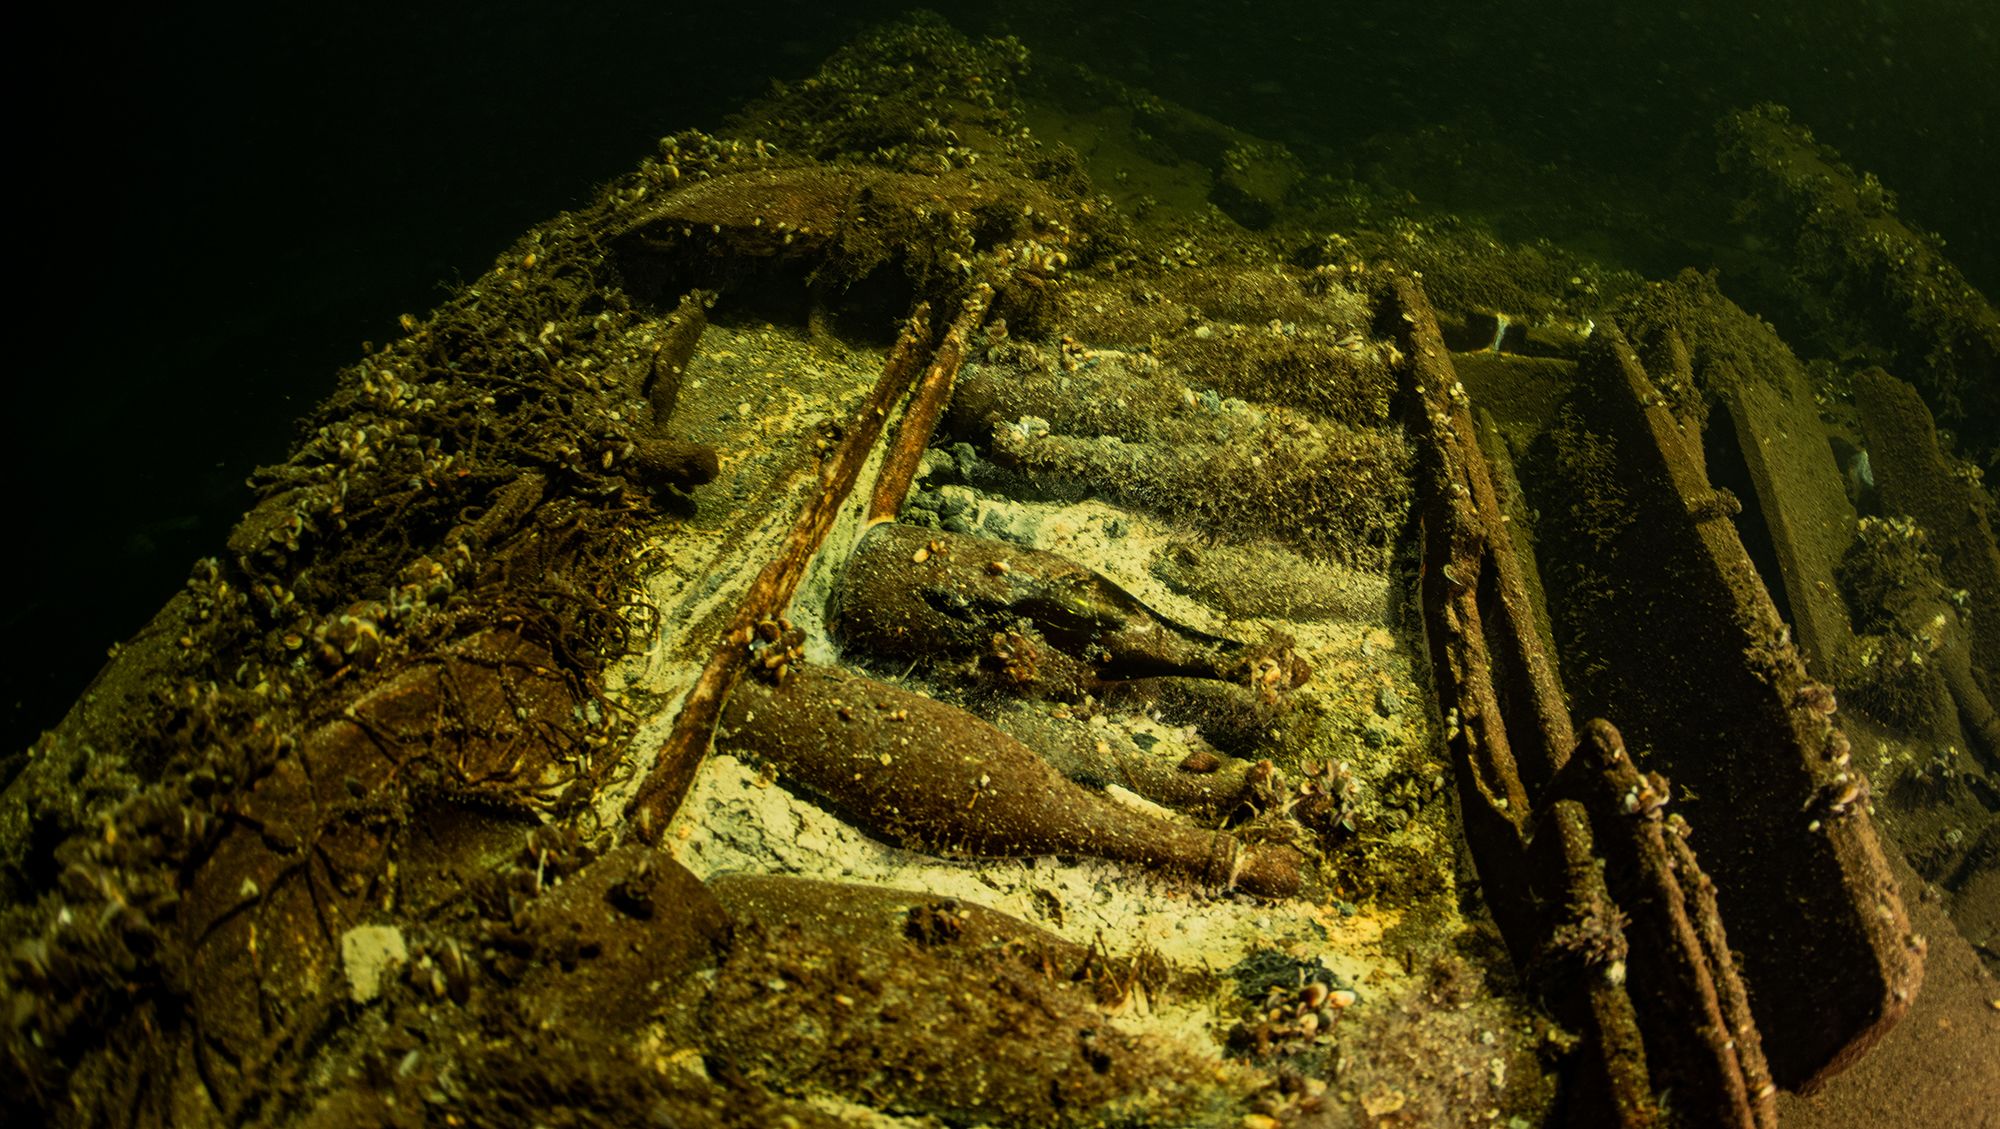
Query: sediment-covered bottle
(1195, 779)
(1031, 621)
(929, 776)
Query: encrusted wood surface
(1593, 937)
(1781, 817)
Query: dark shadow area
(1722, 453)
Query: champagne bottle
(928, 776)
(1196, 780)
(1034, 622)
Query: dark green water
(229, 204)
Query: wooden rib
(1456, 503)
(1798, 872)
(1732, 996)
(1674, 979)
(1535, 846)
(927, 404)
(1526, 747)
(1609, 1083)
(672, 774)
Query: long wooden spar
(666, 785)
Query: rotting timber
(1633, 953)
(854, 625)
(1794, 866)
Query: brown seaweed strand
(672, 774)
(927, 404)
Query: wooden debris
(927, 404)
(673, 770)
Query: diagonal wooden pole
(666, 785)
(673, 772)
